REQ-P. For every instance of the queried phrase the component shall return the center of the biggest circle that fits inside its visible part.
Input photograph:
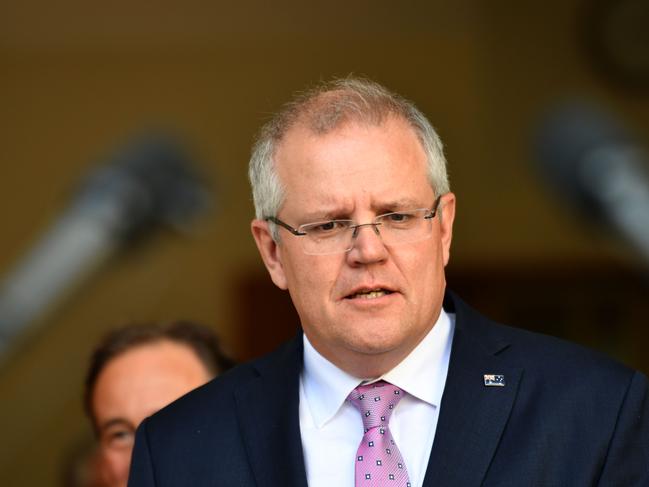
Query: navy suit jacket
(566, 416)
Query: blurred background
(94, 96)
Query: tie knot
(376, 402)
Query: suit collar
(484, 333)
(268, 412)
(472, 415)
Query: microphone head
(149, 182)
(569, 140)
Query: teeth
(371, 294)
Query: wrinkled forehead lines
(301, 138)
(328, 199)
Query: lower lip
(371, 302)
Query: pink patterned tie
(378, 460)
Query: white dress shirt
(332, 428)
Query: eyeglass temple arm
(433, 211)
(285, 225)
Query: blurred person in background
(135, 371)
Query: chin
(375, 343)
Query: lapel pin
(494, 380)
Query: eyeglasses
(337, 236)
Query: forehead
(353, 164)
(145, 378)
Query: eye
(399, 217)
(326, 228)
(119, 438)
(402, 220)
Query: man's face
(131, 387)
(357, 172)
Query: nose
(375, 227)
(367, 247)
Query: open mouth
(370, 294)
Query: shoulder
(583, 414)
(547, 361)
(195, 411)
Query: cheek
(426, 270)
(311, 281)
(114, 465)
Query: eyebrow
(115, 422)
(328, 213)
(401, 203)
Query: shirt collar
(422, 373)
(325, 386)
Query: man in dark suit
(394, 381)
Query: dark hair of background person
(201, 339)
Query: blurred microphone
(147, 184)
(597, 165)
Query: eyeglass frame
(356, 226)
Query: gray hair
(324, 108)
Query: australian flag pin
(494, 380)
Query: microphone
(597, 164)
(147, 184)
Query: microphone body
(597, 165)
(146, 185)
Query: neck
(363, 365)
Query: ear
(269, 251)
(447, 216)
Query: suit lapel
(472, 415)
(268, 412)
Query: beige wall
(76, 80)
